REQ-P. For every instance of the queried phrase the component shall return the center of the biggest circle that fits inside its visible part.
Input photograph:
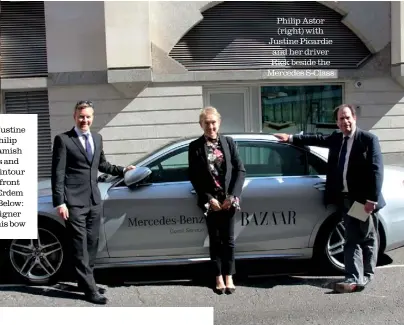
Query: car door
(281, 201)
(159, 218)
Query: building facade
(150, 66)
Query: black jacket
(74, 177)
(201, 177)
(365, 168)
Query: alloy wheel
(37, 259)
(335, 246)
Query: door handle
(319, 186)
(193, 192)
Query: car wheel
(39, 261)
(329, 246)
(334, 248)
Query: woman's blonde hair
(208, 110)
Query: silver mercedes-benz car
(150, 217)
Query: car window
(173, 167)
(263, 159)
(316, 165)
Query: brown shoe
(347, 286)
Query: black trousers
(83, 228)
(221, 240)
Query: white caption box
(18, 176)
(107, 315)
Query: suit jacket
(365, 168)
(74, 177)
(201, 177)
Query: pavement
(268, 292)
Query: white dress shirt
(82, 139)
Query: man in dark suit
(77, 157)
(217, 175)
(355, 173)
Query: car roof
(323, 152)
(238, 136)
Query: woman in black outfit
(217, 175)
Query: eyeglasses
(84, 102)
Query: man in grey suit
(355, 173)
(77, 157)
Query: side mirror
(136, 175)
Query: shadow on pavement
(271, 282)
(264, 274)
(259, 274)
(384, 260)
(44, 292)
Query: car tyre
(329, 247)
(39, 262)
(328, 255)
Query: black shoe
(100, 290)
(220, 291)
(230, 290)
(96, 298)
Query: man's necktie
(88, 147)
(341, 162)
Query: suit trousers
(83, 228)
(361, 244)
(221, 240)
